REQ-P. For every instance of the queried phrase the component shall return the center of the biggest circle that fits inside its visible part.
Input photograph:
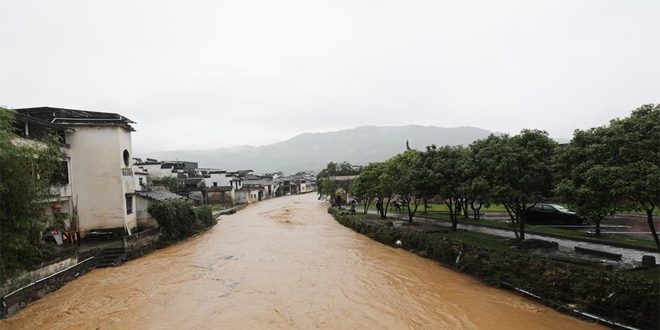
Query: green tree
(519, 171)
(365, 186)
(326, 184)
(636, 156)
(586, 176)
(447, 175)
(376, 180)
(26, 167)
(409, 180)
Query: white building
(99, 177)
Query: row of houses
(102, 185)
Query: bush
(175, 217)
(179, 219)
(205, 216)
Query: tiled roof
(158, 195)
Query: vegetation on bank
(617, 240)
(602, 170)
(178, 219)
(26, 170)
(628, 297)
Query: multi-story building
(96, 177)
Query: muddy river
(283, 263)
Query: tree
(475, 188)
(586, 175)
(385, 189)
(26, 168)
(518, 170)
(366, 184)
(636, 158)
(327, 185)
(448, 174)
(409, 180)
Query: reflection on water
(284, 263)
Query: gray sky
(204, 74)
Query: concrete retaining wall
(12, 302)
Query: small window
(215, 184)
(129, 204)
(141, 183)
(127, 157)
(61, 174)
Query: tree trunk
(386, 207)
(597, 221)
(466, 213)
(452, 216)
(521, 224)
(514, 218)
(425, 204)
(476, 211)
(649, 219)
(366, 205)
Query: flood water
(283, 263)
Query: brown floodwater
(283, 263)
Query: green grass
(532, 229)
(649, 273)
(436, 207)
(216, 207)
(476, 239)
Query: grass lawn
(477, 239)
(532, 229)
(436, 207)
(216, 207)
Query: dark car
(552, 214)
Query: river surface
(283, 263)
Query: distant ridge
(312, 151)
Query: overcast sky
(204, 74)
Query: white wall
(96, 176)
(220, 178)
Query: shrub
(205, 216)
(176, 217)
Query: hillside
(312, 151)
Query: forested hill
(312, 151)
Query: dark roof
(158, 195)
(77, 117)
(220, 188)
(193, 181)
(22, 118)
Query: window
(141, 183)
(129, 204)
(61, 174)
(127, 157)
(215, 184)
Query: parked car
(552, 214)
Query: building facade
(100, 184)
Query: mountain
(312, 151)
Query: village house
(299, 183)
(96, 176)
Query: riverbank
(624, 297)
(285, 263)
(19, 293)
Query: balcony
(60, 190)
